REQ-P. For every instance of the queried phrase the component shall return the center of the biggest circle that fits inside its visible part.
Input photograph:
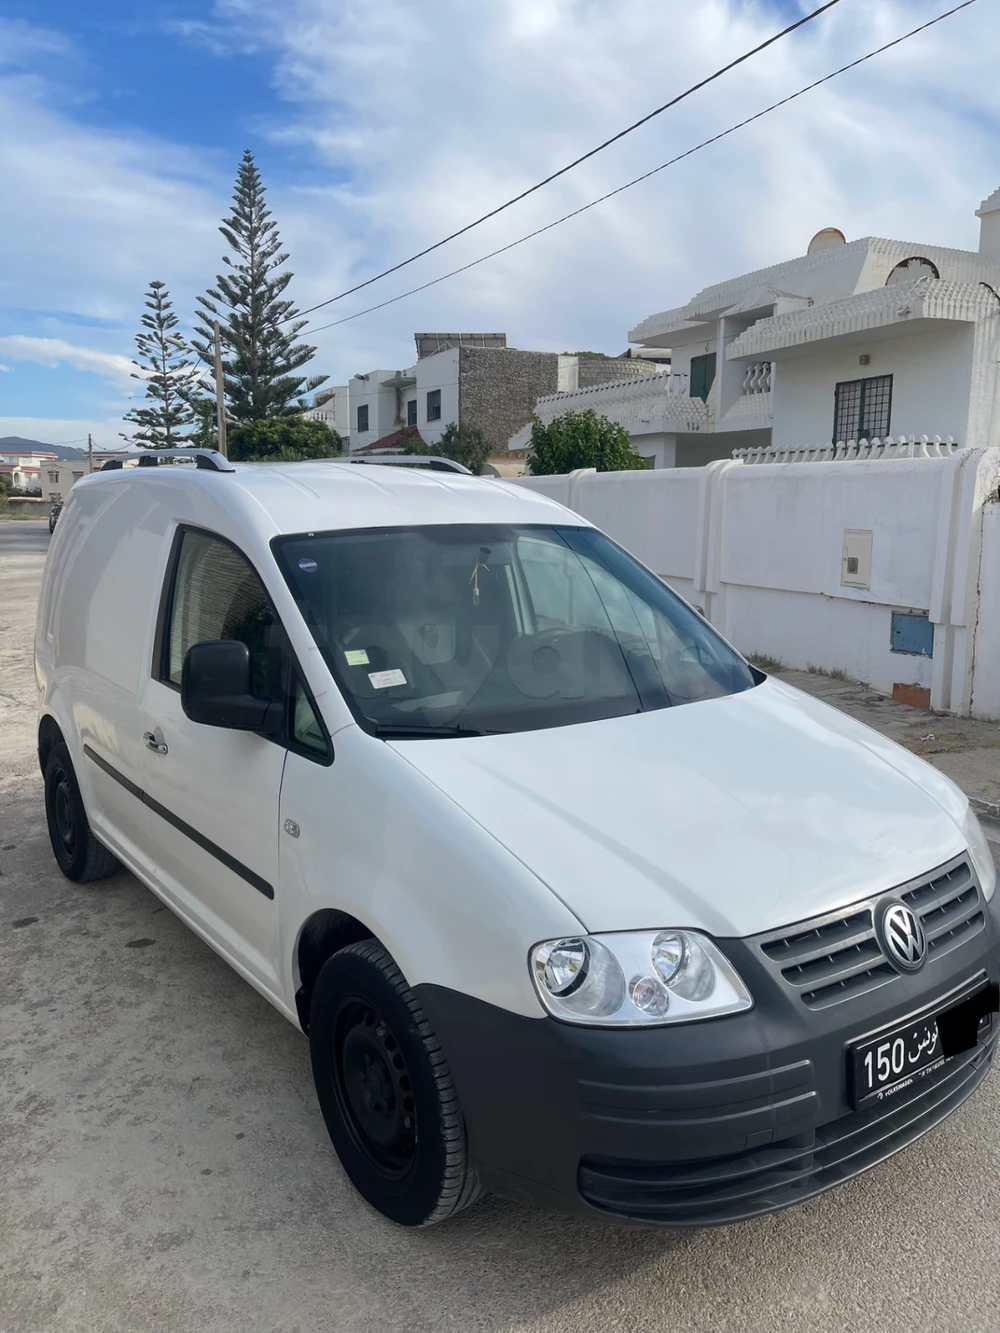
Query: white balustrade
(902, 446)
(758, 378)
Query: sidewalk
(968, 751)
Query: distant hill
(11, 442)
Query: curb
(991, 809)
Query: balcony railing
(924, 446)
(758, 378)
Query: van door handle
(158, 747)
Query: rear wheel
(386, 1091)
(78, 853)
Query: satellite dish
(826, 239)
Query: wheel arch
(321, 936)
(49, 736)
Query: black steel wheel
(374, 1089)
(78, 853)
(386, 1092)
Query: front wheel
(386, 1091)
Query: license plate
(890, 1062)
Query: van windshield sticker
(356, 657)
(308, 565)
(382, 680)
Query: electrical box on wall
(856, 565)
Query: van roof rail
(389, 459)
(210, 460)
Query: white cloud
(420, 117)
(56, 352)
(440, 111)
(5, 369)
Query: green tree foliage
(166, 418)
(6, 486)
(204, 433)
(464, 444)
(283, 440)
(580, 439)
(257, 322)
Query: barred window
(861, 408)
(434, 405)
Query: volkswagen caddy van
(572, 902)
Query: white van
(572, 902)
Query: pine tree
(167, 374)
(257, 323)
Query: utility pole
(90, 452)
(220, 393)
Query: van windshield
(477, 629)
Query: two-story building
(853, 340)
(471, 379)
(59, 475)
(24, 466)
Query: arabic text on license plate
(892, 1060)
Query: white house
(59, 475)
(24, 467)
(333, 406)
(471, 379)
(853, 340)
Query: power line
(646, 175)
(570, 165)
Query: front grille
(837, 957)
(746, 1184)
(949, 908)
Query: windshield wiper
(402, 731)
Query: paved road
(25, 536)
(164, 1167)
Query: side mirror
(215, 688)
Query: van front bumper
(702, 1123)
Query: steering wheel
(559, 661)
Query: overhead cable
(808, 18)
(646, 175)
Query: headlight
(636, 978)
(982, 856)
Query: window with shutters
(702, 376)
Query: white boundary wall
(760, 549)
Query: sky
(381, 125)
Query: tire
(386, 1091)
(78, 853)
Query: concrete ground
(164, 1167)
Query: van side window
(217, 595)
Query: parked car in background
(572, 902)
(54, 513)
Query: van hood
(734, 815)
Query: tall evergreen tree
(168, 375)
(257, 323)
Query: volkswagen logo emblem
(901, 936)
